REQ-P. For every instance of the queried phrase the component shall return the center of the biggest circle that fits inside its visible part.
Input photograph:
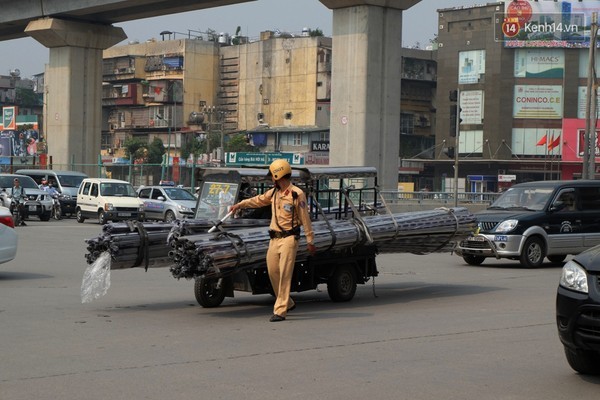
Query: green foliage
(237, 143)
(315, 32)
(156, 149)
(27, 97)
(134, 147)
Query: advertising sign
(9, 117)
(537, 102)
(582, 102)
(471, 107)
(581, 143)
(539, 63)
(262, 158)
(471, 65)
(564, 24)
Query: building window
(407, 124)
(324, 136)
(297, 139)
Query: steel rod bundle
(414, 232)
(136, 244)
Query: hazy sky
(419, 25)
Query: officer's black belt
(283, 234)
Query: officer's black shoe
(23, 223)
(292, 308)
(276, 318)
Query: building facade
(522, 97)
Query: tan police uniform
(288, 212)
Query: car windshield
(27, 182)
(179, 194)
(526, 198)
(117, 189)
(71, 180)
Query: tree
(315, 32)
(134, 147)
(238, 142)
(156, 149)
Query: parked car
(534, 220)
(108, 200)
(8, 236)
(66, 182)
(38, 202)
(578, 311)
(167, 203)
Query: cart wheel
(341, 286)
(208, 292)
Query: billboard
(471, 65)
(565, 24)
(539, 63)
(471, 107)
(538, 102)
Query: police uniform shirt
(282, 209)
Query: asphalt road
(430, 328)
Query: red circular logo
(510, 27)
(520, 9)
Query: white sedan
(8, 236)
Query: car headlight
(183, 208)
(141, 208)
(573, 277)
(108, 207)
(507, 226)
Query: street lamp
(168, 160)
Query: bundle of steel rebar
(415, 232)
(136, 244)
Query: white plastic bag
(96, 278)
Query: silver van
(66, 182)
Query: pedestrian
(288, 212)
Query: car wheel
(583, 361)
(209, 293)
(79, 216)
(533, 252)
(341, 286)
(102, 217)
(473, 260)
(169, 216)
(557, 259)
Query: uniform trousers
(281, 257)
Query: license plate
(124, 214)
(32, 208)
(476, 238)
(500, 238)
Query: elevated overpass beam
(365, 93)
(74, 87)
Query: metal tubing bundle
(135, 244)
(132, 244)
(414, 232)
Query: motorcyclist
(18, 198)
(51, 190)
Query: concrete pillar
(365, 93)
(73, 92)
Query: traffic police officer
(288, 212)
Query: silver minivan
(66, 182)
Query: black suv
(578, 311)
(534, 220)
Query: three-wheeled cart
(332, 192)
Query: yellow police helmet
(279, 168)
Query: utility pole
(589, 151)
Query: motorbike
(56, 209)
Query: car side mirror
(559, 205)
(161, 198)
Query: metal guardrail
(441, 198)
